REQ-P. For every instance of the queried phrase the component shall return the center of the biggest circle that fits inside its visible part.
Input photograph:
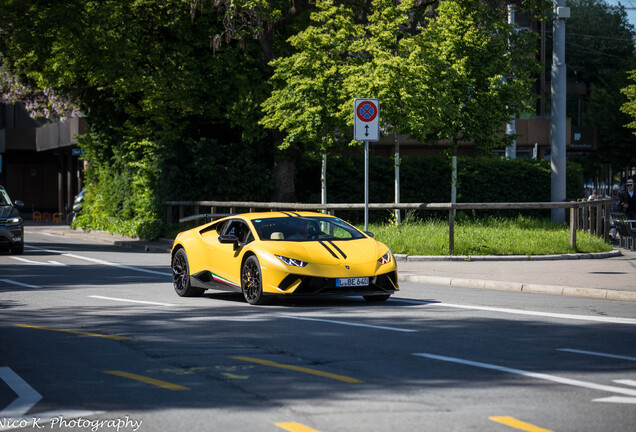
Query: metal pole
(511, 150)
(397, 177)
(558, 107)
(366, 185)
(323, 179)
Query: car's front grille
(385, 283)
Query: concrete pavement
(610, 276)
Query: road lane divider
(131, 301)
(295, 427)
(73, 331)
(101, 262)
(602, 319)
(147, 380)
(518, 424)
(599, 354)
(542, 376)
(347, 323)
(28, 261)
(20, 284)
(299, 369)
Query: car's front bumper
(299, 285)
(11, 234)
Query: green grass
(488, 236)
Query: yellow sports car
(282, 254)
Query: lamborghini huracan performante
(270, 254)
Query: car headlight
(386, 258)
(292, 262)
(13, 220)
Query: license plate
(352, 282)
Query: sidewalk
(610, 276)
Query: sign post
(366, 116)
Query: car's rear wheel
(377, 298)
(252, 281)
(181, 276)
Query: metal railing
(584, 215)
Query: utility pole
(511, 150)
(558, 107)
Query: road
(93, 337)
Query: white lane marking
(541, 376)
(613, 320)
(627, 382)
(9, 281)
(28, 261)
(102, 262)
(27, 395)
(593, 353)
(349, 323)
(225, 318)
(131, 301)
(617, 399)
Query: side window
(240, 230)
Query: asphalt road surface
(93, 338)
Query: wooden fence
(584, 215)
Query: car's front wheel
(252, 281)
(18, 248)
(181, 276)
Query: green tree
(629, 107)
(475, 73)
(147, 76)
(305, 103)
(599, 52)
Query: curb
(573, 256)
(597, 293)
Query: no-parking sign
(366, 116)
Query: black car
(11, 224)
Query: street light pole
(558, 108)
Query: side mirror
(18, 203)
(370, 234)
(228, 238)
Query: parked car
(11, 224)
(282, 254)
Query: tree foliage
(600, 52)
(629, 107)
(173, 90)
(457, 73)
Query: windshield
(305, 229)
(4, 198)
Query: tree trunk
(284, 172)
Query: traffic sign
(366, 116)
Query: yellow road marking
(147, 380)
(73, 331)
(295, 427)
(518, 424)
(300, 369)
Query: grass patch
(488, 236)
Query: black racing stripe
(328, 248)
(338, 249)
(287, 214)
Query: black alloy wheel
(18, 248)
(252, 281)
(181, 276)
